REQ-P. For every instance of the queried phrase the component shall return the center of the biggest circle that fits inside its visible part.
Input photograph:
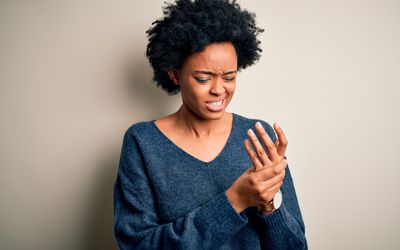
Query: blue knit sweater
(165, 198)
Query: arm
(284, 228)
(136, 221)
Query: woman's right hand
(254, 187)
(260, 182)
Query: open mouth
(216, 104)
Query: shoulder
(138, 129)
(248, 122)
(137, 137)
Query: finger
(282, 142)
(273, 154)
(269, 193)
(271, 183)
(275, 188)
(250, 170)
(253, 157)
(259, 149)
(268, 173)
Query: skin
(259, 183)
(207, 76)
(201, 132)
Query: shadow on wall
(144, 93)
(100, 220)
(145, 96)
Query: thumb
(250, 170)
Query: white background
(74, 77)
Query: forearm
(285, 228)
(283, 231)
(206, 227)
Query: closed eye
(229, 79)
(202, 80)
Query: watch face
(278, 199)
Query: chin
(210, 115)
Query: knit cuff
(220, 219)
(276, 220)
(284, 227)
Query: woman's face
(208, 80)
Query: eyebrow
(211, 73)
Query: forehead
(215, 57)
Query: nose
(217, 86)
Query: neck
(200, 127)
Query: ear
(174, 75)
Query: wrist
(272, 205)
(235, 201)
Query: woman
(203, 178)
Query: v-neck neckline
(227, 143)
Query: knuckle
(262, 132)
(253, 179)
(270, 172)
(276, 170)
(260, 166)
(277, 162)
(252, 156)
(250, 152)
(264, 135)
(283, 174)
(258, 191)
(270, 146)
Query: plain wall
(74, 77)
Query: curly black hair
(189, 26)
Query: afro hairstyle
(188, 26)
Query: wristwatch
(272, 205)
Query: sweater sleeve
(284, 228)
(136, 223)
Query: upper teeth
(215, 103)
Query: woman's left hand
(263, 162)
(276, 151)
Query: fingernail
(277, 125)
(258, 124)
(251, 133)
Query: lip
(216, 108)
(218, 100)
